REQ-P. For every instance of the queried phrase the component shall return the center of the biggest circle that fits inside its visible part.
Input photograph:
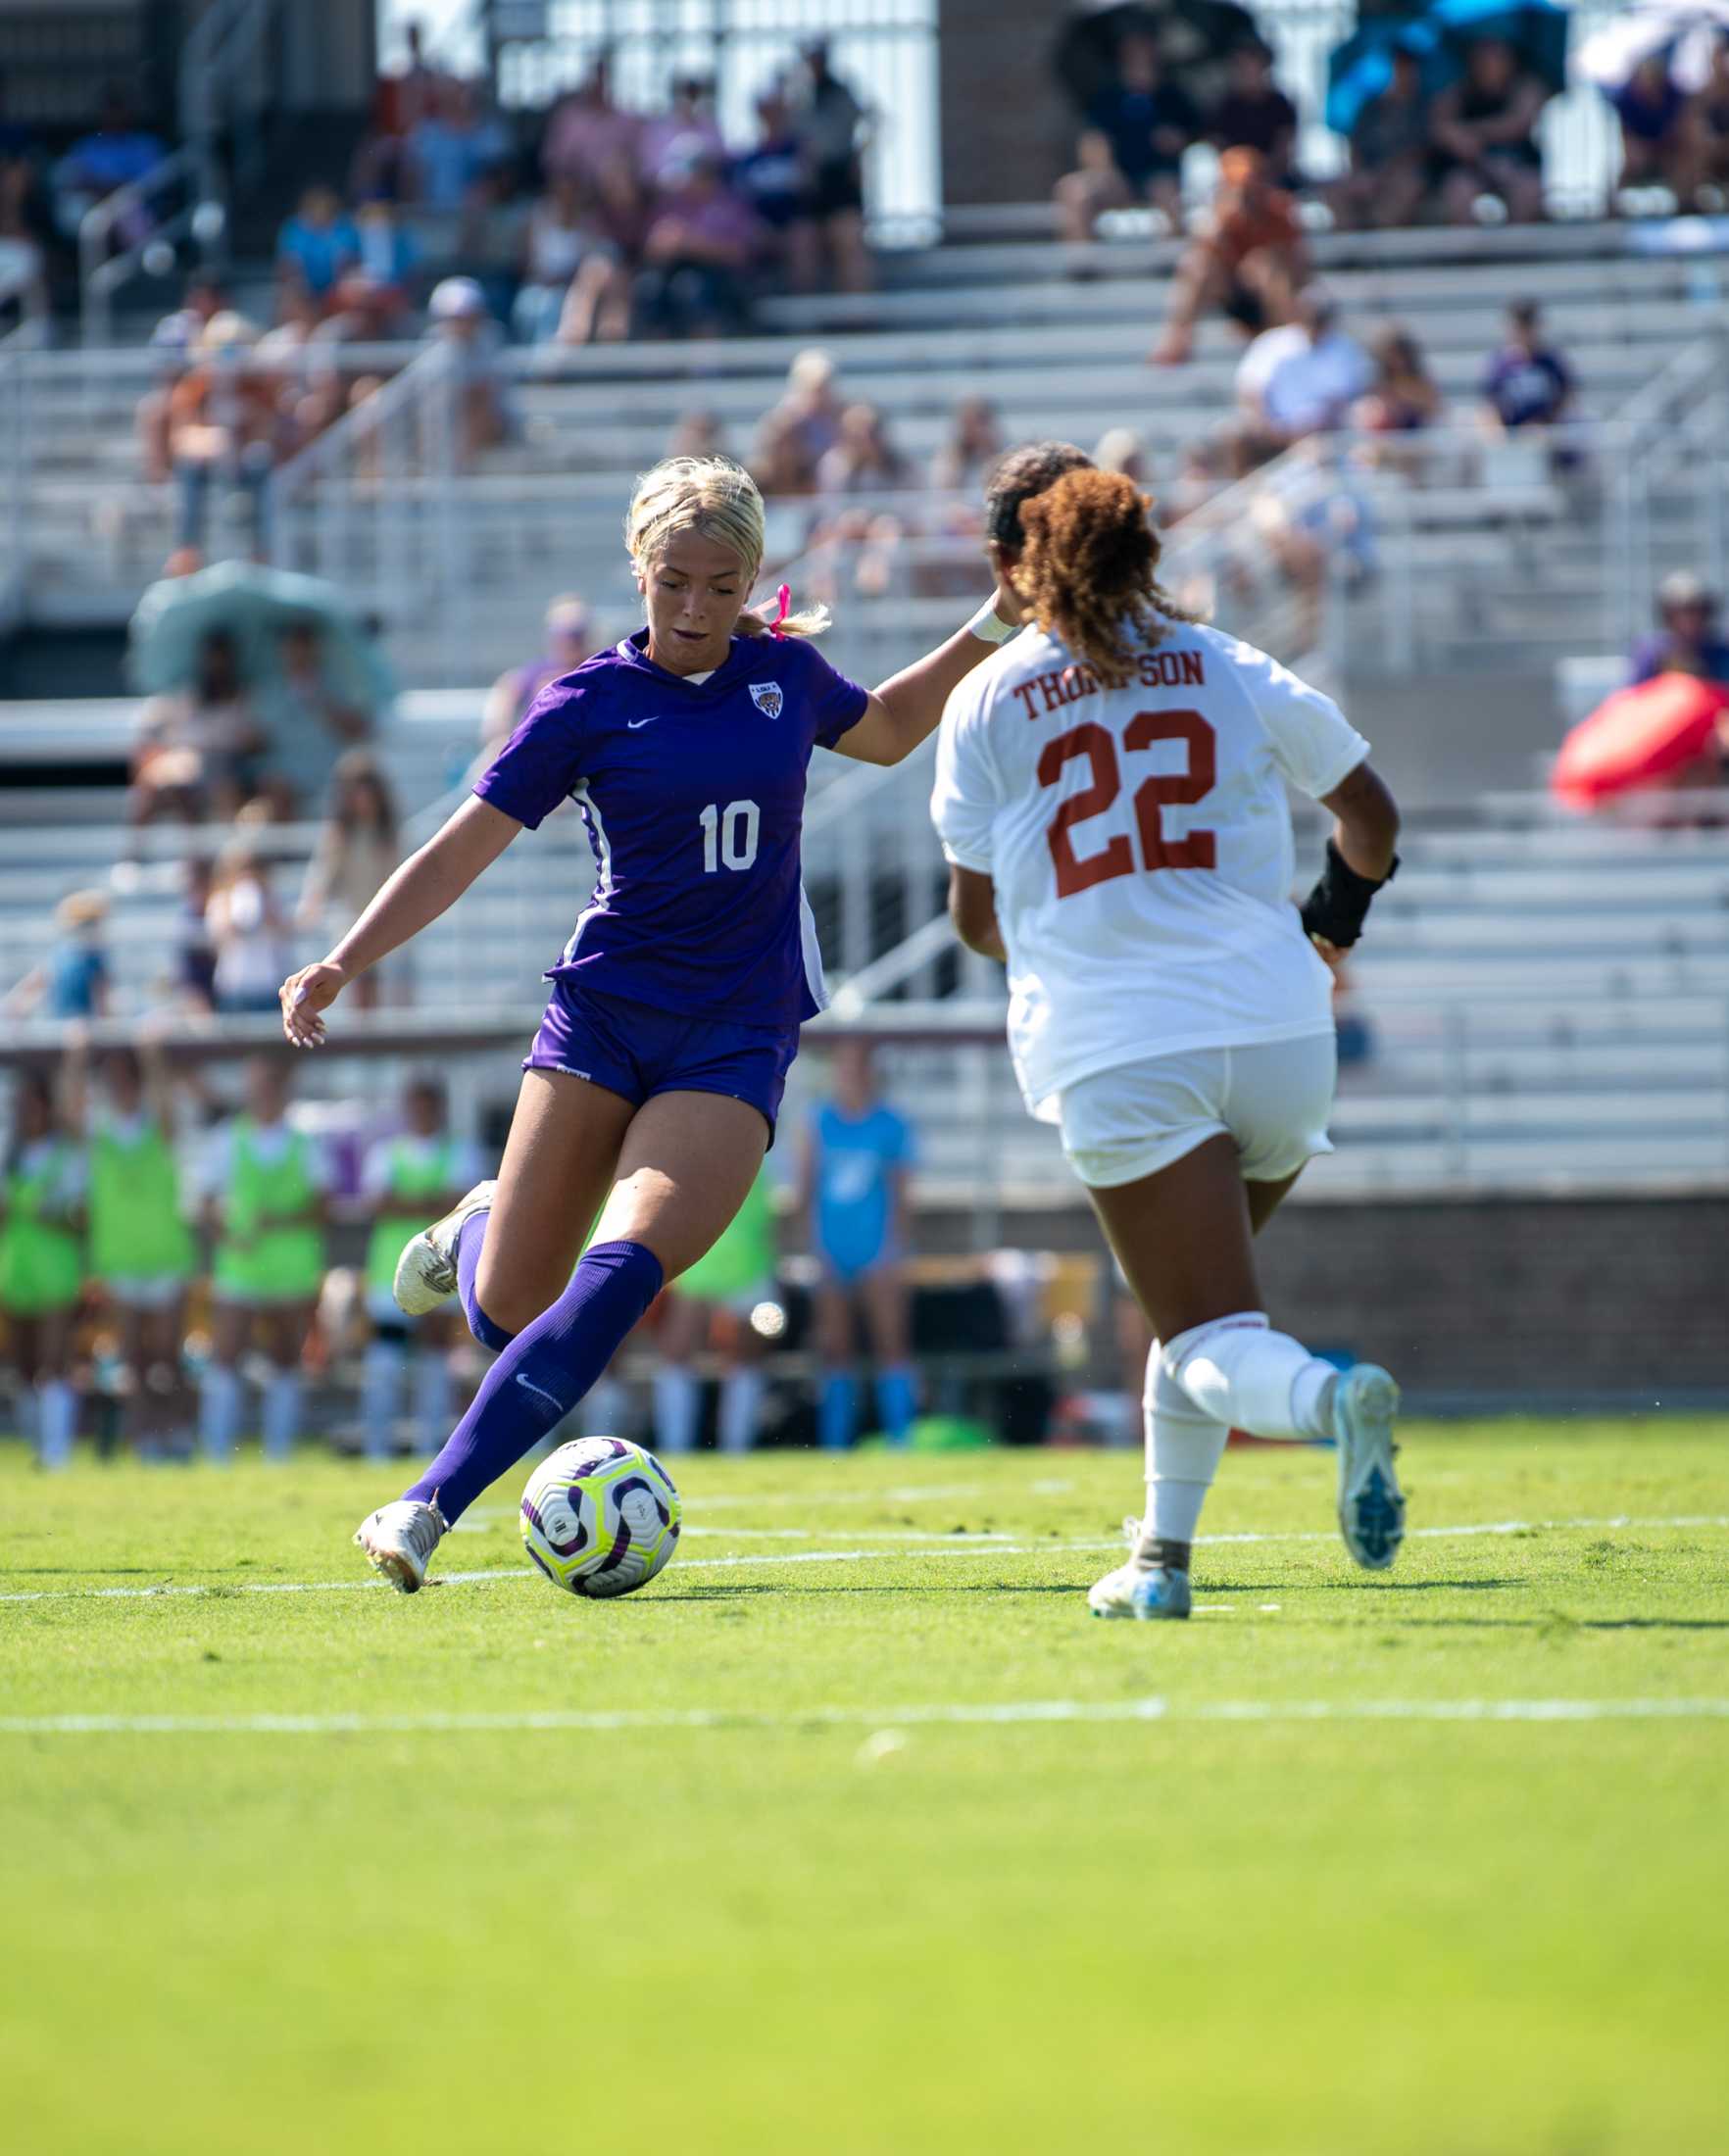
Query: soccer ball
(600, 1516)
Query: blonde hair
(717, 499)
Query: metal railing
(101, 269)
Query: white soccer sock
(380, 1394)
(58, 1418)
(220, 1401)
(433, 1397)
(1184, 1447)
(676, 1405)
(281, 1413)
(741, 1403)
(1239, 1371)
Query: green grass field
(855, 1833)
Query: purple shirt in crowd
(693, 794)
(1526, 388)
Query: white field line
(971, 1546)
(922, 1712)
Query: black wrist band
(1338, 905)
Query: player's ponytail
(718, 499)
(1089, 571)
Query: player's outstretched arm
(428, 884)
(908, 707)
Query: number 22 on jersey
(1182, 789)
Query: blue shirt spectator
(856, 1159)
(1687, 639)
(319, 244)
(1526, 383)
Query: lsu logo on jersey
(768, 698)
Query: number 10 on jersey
(730, 836)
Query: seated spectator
(1526, 381)
(249, 931)
(1687, 639)
(194, 967)
(1704, 133)
(975, 445)
(448, 150)
(1319, 533)
(386, 254)
(1484, 131)
(862, 460)
(833, 126)
(699, 433)
(771, 177)
(307, 723)
(75, 979)
(1256, 113)
(795, 433)
(1650, 107)
(400, 102)
(685, 131)
(1247, 259)
(574, 286)
(469, 337)
(569, 641)
(356, 853)
(223, 425)
(317, 245)
(1302, 378)
(702, 245)
(1389, 177)
(115, 155)
(1402, 399)
(492, 236)
(588, 138)
(195, 746)
(1132, 148)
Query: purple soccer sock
(541, 1375)
(468, 1242)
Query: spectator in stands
(1706, 136)
(855, 1176)
(864, 460)
(685, 131)
(178, 331)
(265, 1187)
(463, 325)
(223, 425)
(194, 975)
(308, 721)
(798, 431)
(1388, 181)
(400, 102)
(700, 432)
(450, 148)
(1526, 383)
(1132, 147)
(43, 1185)
(22, 259)
(703, 246)
(770, 176)
(710, 1305)
(1484, 131)
(1320, 532)
(249, 930)
(1248, 260)
(74, 980)
(317, 245)
(973, 446)
(357, 851)
(1202, 472)
(492, 235)
(569, 640)
(1255, 114)
(573, 287)
(1302, 378)
(1650, 107)
(833, 126)
(386, 256)
(115, 155)
(589, 139)
(1687, 638)
(406, 1180)
(1122, 449)
(1402, 399)
(195, 746)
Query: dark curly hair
(1016, 476)
(1089, 571)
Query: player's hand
(304, 996)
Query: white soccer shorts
(1273, 1097)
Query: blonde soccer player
(1110, 795)
(650, 1094)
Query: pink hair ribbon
(783, 599)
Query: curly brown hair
(1089, 571)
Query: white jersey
(1140, 842)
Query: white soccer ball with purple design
(601, 1516)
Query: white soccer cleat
(1372, 1505)
(399, 1540)
(1139, 1589)
(426, 1270)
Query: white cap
(455, 297)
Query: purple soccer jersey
(693, 794)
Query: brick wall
(1007, 132)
